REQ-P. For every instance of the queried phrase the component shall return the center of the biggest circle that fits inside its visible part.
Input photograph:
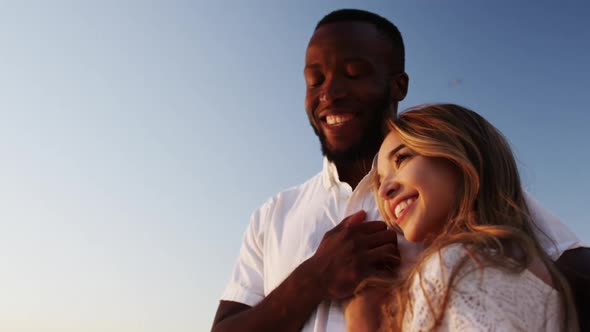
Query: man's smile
(338, 119)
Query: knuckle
(380, 225)
(347, 234)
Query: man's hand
(351, 252)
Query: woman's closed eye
(400, 158)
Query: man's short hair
(383, 25)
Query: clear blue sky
(137, 137)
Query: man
(298, 259)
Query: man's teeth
(338, 119)
(403, 205)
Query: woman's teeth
(402, 206)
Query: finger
(382, 271)
(369, 227)
(387, 254)
(354, 219)
(378, 239)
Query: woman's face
(419, 192)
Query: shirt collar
(330, 174)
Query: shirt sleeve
(246, 284)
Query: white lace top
(487, 299)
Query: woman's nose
(388, 188)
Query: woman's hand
(363, 312)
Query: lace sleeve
(486, 299)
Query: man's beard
(370, 141)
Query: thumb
(354, 219)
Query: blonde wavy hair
(491, 216)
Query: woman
(447, 178)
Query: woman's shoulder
(441, 262)
(480, 294)
(466, 266)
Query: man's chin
(350, 149)
(343, 155)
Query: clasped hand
(351, 252)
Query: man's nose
(334, 88)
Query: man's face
(351, 88)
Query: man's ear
(399, 86)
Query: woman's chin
(411, 236)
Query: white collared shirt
(288, 228)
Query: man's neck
(352, 172)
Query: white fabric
(487, 299)
(554, 236)
(288, 228)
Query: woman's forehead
(391, 142)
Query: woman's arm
(363, 312)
